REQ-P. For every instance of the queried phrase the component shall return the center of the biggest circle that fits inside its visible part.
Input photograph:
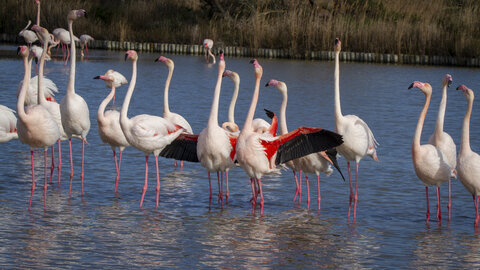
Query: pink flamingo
(441, 139)
(8, 124)
(84, 39)
(175, 118)
(109, 120)
(36, 127)
(358, 138)
(258, 154)
(468, 165)
(73, 108)
(147, 133)
(208, 45)
(430, 164)
(28, 35)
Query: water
(101, 229)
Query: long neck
(441, 112)
(213, 118)
(231, 109)
(465, 142)
(38, 14)
(41, 96)
(128, 95)
(71, 78)
(421, 119)
(26, 82)
(283, 112)
(103, 105)
(251, 112)
(166, 108)
(338, 109)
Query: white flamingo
(430, 164)
(63, 37)
(49, 90)
(208, 45)
(443, 140)
(358, 138)
(175, 118)
(109, 120)
(28, 35)
(84, 39)
(8, 124)
(36, 127)
(468, 163)
(73, 108)
(147, 133)
(258, 154)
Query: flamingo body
(8, 124)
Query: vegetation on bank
(420, 27)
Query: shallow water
(102, 229)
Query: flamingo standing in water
(175, 118)
(109, 120)
(208, 45)
(468, 163)
(36, 127)
(430, 164)
(147, 133)
(358, 138)
(258, 153)
(441, 139)
(8, 124)
(73, 108)
(84, 39)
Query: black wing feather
(181, 149)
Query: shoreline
(276, 53)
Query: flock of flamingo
(256, 147)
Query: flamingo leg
(300, 187)
(261, 195)
(45, 179)
(86, 49)
(254, 199)
(83, 157)
(116, 169)
(228, 192)
(33, 179)
(118, 174)
(449, 205)
(68, 55)
(158, 181)
(439, 212)
(475, 202)
(181, 164)
(71, 166)
(297, 187)
(59, 167)
(210, 185)
(175, 163)
(428, 207)
(318, 189)
(308, 191)
(356, 195)
(52, 167)
(145, 185)
(351, 188)
(219, 188)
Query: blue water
(101, 229)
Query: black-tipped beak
(86, 16)
(156, 60)
(221, 51)
(96, 77)
(266, 85)
(251, 61)
(270, 114)
(336, 41)
(411, 86)
(36, 60)
(449, 83)
(18, 50)
(126, 56)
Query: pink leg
(261, 195)
(146, 181)
(439, 211)
(318, 189)
(210, 186)
(449, 205)
(86, 49)
(308, 191)
(116, 169)
(300, 187)
(33, 179)
(71, 166)
(45, 179)
(475, 202)
(52, 167)
(254, 199)
(296, 183)
(181, 164)
(351, 188)
(59, 167)
(221, 188)
(118, 174)
(356, 195)
(175, 163)
(220, 196)
(228, 192)
(428, 207)
(158, 181)
(68, 55)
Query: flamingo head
(104, 77)
(76, 13)
(37, 2)
(424, 87)
(466, 91)
(338, 45)
(281, 86)
(167, 61)
(447, 80)
(272, 83)
(131, 54)
(221, 63)
(257, 67)
(227, 73)
(22, 50)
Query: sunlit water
(102, 229)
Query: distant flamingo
(208, 45)
(28, 35)
(63, 37)
(430, 164)
(441, 139)
(468, 163)
(358, 138)
(258, 154)
(147, 133)
(73, 108)
(109, 120)
(36, 127)
(8, 124)
(175, 118)
(84, 39)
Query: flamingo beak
(96, 77)
(86, 16)
(411, 86)
(449, 83)
(19, 49)
(126, 56)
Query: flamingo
(49, 90)
(8, 124)
(208, 45)
(52, 106)
(84, 39)
(109, 121)
(441, 139)
(468, 163)
(63, 37)
(358, 138)
(258, 154)
(430, 164)
(147, 133)
(36, 127)
(73, 108)
(28, 35)
(313, 163)
(175, 118)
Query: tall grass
(440, 27)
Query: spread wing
(184, 147)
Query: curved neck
(251, 112)
(71, 77)
(338, 109)
(103, 105)
(26, 82)
(166, 108)
(128, 95)
(38, 14)
(441, 112)
(421, 119)
(213, 118)
(41, 96)
(465, 141)
(283, 112)
(231, 109)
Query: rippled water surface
(102, 229)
